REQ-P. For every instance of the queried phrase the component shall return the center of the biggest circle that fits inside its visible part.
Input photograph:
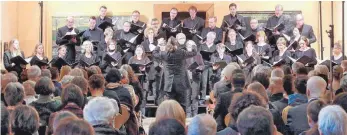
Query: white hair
(316, 85)
(34, 71)
(228, 70)
(180, 35)
(100, 110)
(211, 34)
(332, 120)
(66, 79)
(202, 124)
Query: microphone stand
(331, 36)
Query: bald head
(315, 86)
(202, 124)
(299, 20)
(70, 21)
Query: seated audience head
(131, 74)
(7, 78)
(59, 116)
(66, 80)
(312, 73)
(76, 72)
(113, 76)
(14, 94)
(322, 69)
(255, 120)
(337, 72)
(343, 83)
(82, 83)
(313, 109)
(202, 124)
(301, 84)
(91, 71)
(288, 84)
(277, 72)
(228, 70)
(55, 73)
(34, 73)
(341, 100)
(168, 126)
(5, 120)
(238, 79)
(44, 86)
(262, 69)
(170, 109)
(97, 68)
(316, 86)
(74, 126)
(125, 77)
(29, 88)
(332, 120)
(344, 65)
(72, 94)
(258, 88)
(286, 69)
(46, 72)
(262, 79)
(297, 68)
(96, 83)
(242, 102)
(65, 70)
(24, 120)
(100, 110)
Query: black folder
(304, 59)
(134, 28)
(206, 55)
(203, 39)
(234, 52)
(61, 62)
(276, 63)
(18, 60)
(69, 36)
(86, 64)
(279, 27)
(249, 38)
(247, 61)
(222, 64)
(40, 63)
(136, 67)
(104, 25)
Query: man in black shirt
(231, 18)
(171, 25)
(305, 29)
(94, 34)
(135, 19)
(127, 36)
(102, 18)
(195, 23)
(254, 27)
(277, 19)
(212, 27)
(69, 43)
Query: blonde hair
(108, 32)
(65, 70)
(147, 30)
(261, 34)
(15, 52)
(281, 40)
(85, 45)
(37, 46)
(170, 109)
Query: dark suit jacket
(221, 109)
(297, 119)
(227, 18)
(285, 19)
(99, 21)
(218, 31)
(167, 32)
(307, 31)
(70, 46)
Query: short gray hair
(278, 72)
(228, 70)
(66, 79)
(211, 33)
(332, 120)
(100, 110)
(202, 124)
(14, 93)
(316, 85)
(34, 71)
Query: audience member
(276, 88)
(66, 80)
(46, 72)
(332, 120)
(74, 126)
(72, 100)
(24, 120)
(55, 76)
(202, 124)
(83, 84)
(5, 79)
(14, 95)
(76, 72)
(288, 86)
(261, 78)
(167, 126)
(29, 90)
(5, 120)
(341, 100)
(55, 118)
(170, 109)
(65, 70)
(34, 73)
(313, 110)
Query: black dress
(311, 53)
(93, 59)
(106, 66)
(8, 63)
(70, 46)
(264, 50)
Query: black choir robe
(100, 21)
(264, 50)
(172, 23)
(34, 60)
(230, 20)
(197, 23)
(8, 64)
(96, 35)
(236, 45)
(121, 34)
(310, 53)
(206, 81)
(218, 31)
(175, 81)
(276, 57)
(93, 59)
(70, 46)
(338, 59)
(273, 21)
(106, 66)
(253, 31)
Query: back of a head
(301, 84)
(46, 72)
(229, 69)
(66, 79)
(54, 72)
(44, 86)
(288, 84)
(81, 82)
(96, 81)
(262, 69)
(255, 120)
(72, 93)
(261, 78)
(343, 83)
(341, 100)
(34, 72)
(344, 65)
(296, 66)
(316, 86)
(76, 72)
(238, 78)
(245, 100)
(29, 88)
(286, 69)
(337, 72)
(277, 72)
(167, 127)
(14, 94)
(113, 76)
(7, 78)
(170, 109)
(301, 71)
(100, 110)
(202, 124)
(313, 109)
(258, 88)
(322, 69)
(74, 126)
(332, 120)
(59, 116)
(24, 120)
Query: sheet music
(152, 47)
(240, 59)
(28, 59)
(132, 40)
(292, 59)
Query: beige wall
(28, 12)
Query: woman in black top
(61, 54)
(11, 53)
(282, 52)
(304, 50)
(116, 55)
(88, 57)
(337, 55)
(262, 48)
(232, 44)
(39, 55)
